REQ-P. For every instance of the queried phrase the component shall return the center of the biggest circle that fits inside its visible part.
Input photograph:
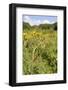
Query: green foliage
(39, 51)
(45, 26)
(55, 26)
(26, 26)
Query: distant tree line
(41, 26)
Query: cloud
(46, 22)
(27, 19)
(32, 22)
(53, 22)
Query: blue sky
(37, 19)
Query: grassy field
(39, 51)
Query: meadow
(39, 49)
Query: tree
(55, 26)
(26, 26)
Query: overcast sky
(36, 20)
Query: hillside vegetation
(39, 49)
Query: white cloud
(26, 19)
(46, 22)
(31, 22)
(36, 22)
(53, 22)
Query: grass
(39, 52)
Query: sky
(38, 19)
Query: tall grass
(39, 52)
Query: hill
(41, 26)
